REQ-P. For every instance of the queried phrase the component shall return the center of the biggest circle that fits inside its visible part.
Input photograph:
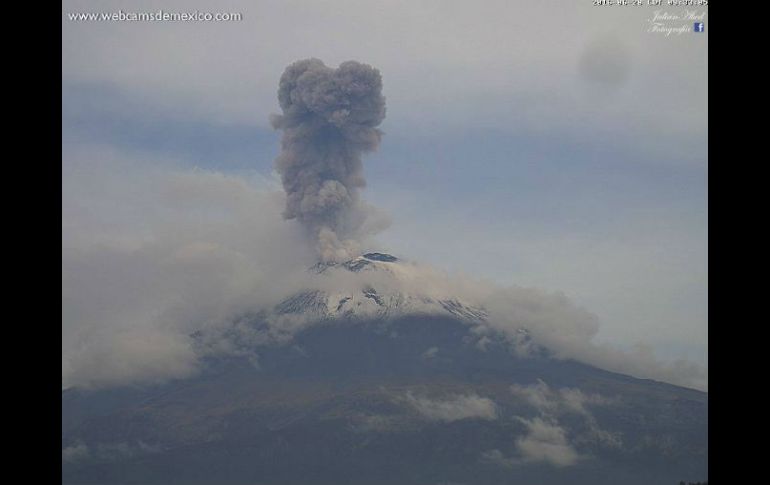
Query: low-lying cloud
(549, 401)
(544, 442)
(79, 451)
(468, 406)
(153, 253)
(546, 438)
(552, 404)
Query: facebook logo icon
(698, 27)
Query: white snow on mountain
(379, 294)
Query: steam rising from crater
(330, 118)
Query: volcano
(367, 378)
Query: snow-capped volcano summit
(376, 288)
(366, 261)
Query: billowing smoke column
(330, 118)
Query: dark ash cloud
(330, 118)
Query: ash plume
(330, 118)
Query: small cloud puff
(470, 406)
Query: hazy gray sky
(562, 147)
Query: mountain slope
(384, 388)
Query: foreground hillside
(412, 400)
